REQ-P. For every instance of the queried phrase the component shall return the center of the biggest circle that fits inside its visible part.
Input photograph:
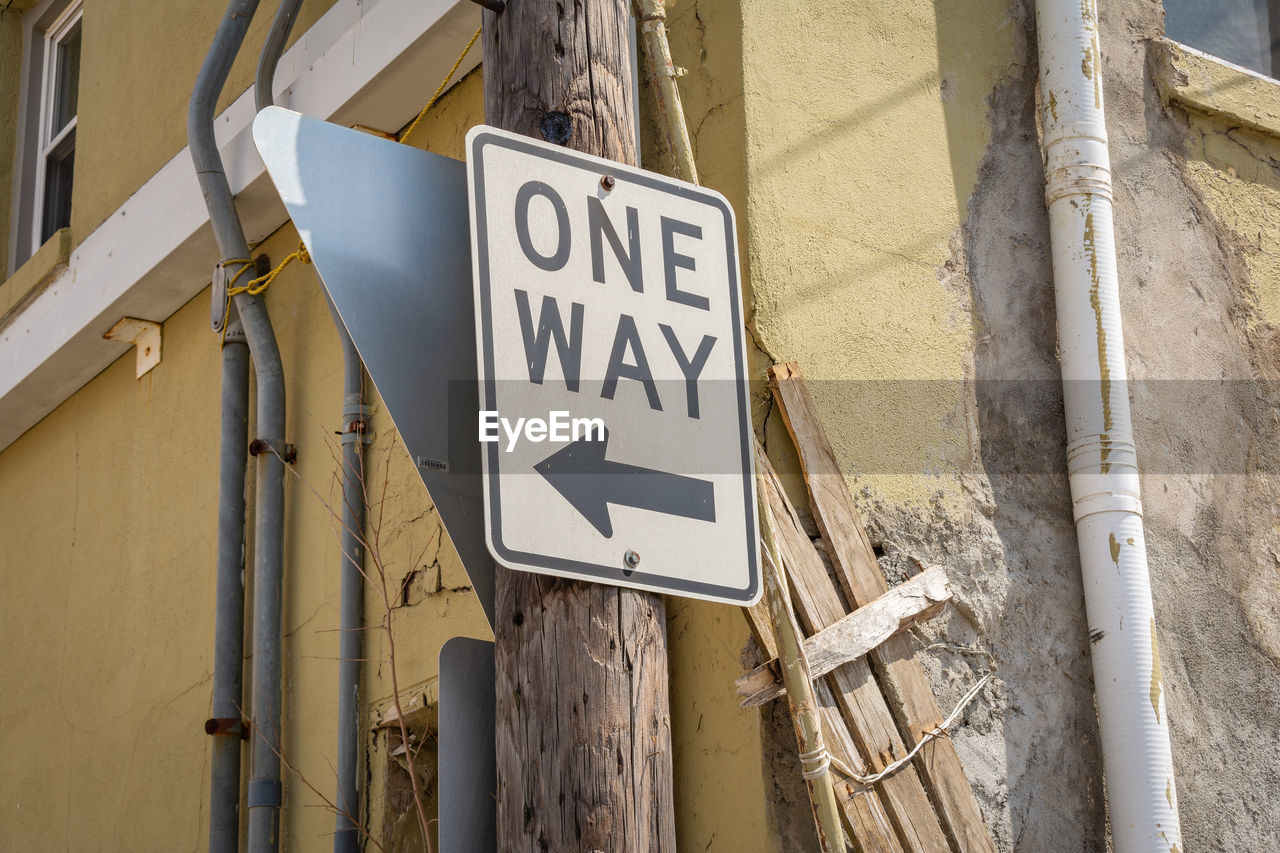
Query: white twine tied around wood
(936, 732)
(814, 765)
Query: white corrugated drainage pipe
(1101, 460)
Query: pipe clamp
(227, 726)
(1100, 502)
(265, 793)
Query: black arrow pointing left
(590, 482)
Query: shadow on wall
(1198, 245)
(1050, 786)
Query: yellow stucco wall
(10, 75)
(850, 163)
(1231, 143)
(107, 572)
(122, 139)
(850, 235)
(1233, 136)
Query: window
(58, 126)
(49, 103)
(1244, 32)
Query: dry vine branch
(329, 804)
(372, 547)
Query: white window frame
(43, 25)
(49, 141)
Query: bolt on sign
(614, 421)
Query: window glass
(57, 190)
(58, 145)
(49, 100)
(1239, 31)
(66, 94)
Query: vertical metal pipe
(351, 642)
(265, 789)
(272, 48)
(346, 838)
(265, 792)
(228, 642)
(1102, 462)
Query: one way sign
(614, 420)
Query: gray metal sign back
(386, 227)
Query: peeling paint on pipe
(1101, 458)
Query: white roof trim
(370, 63)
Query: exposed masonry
(425, 581)
(1189, 310)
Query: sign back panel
(384, 224)
(615, 430)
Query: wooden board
(855, 634)
(859, 574)
(818, 604)
(864, 815)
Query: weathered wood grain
(856, 634)
(862, 811)
(583, 728)
(859, 574)
(543, 56)
(819, 604)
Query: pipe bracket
(227, 726)
(361, 435)
(287, 452)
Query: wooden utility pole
(583, 728)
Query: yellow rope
(255, 286)
(404, 137)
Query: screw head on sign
(607, 182)
(631, 559)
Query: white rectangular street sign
(614, 420)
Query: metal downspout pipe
(265, 794)
(346, 838)
(1101, 458)
(228, 644)
(351, 638)
(272, 48)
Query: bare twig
(301, 777)
(378, 580)
(376, 555)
